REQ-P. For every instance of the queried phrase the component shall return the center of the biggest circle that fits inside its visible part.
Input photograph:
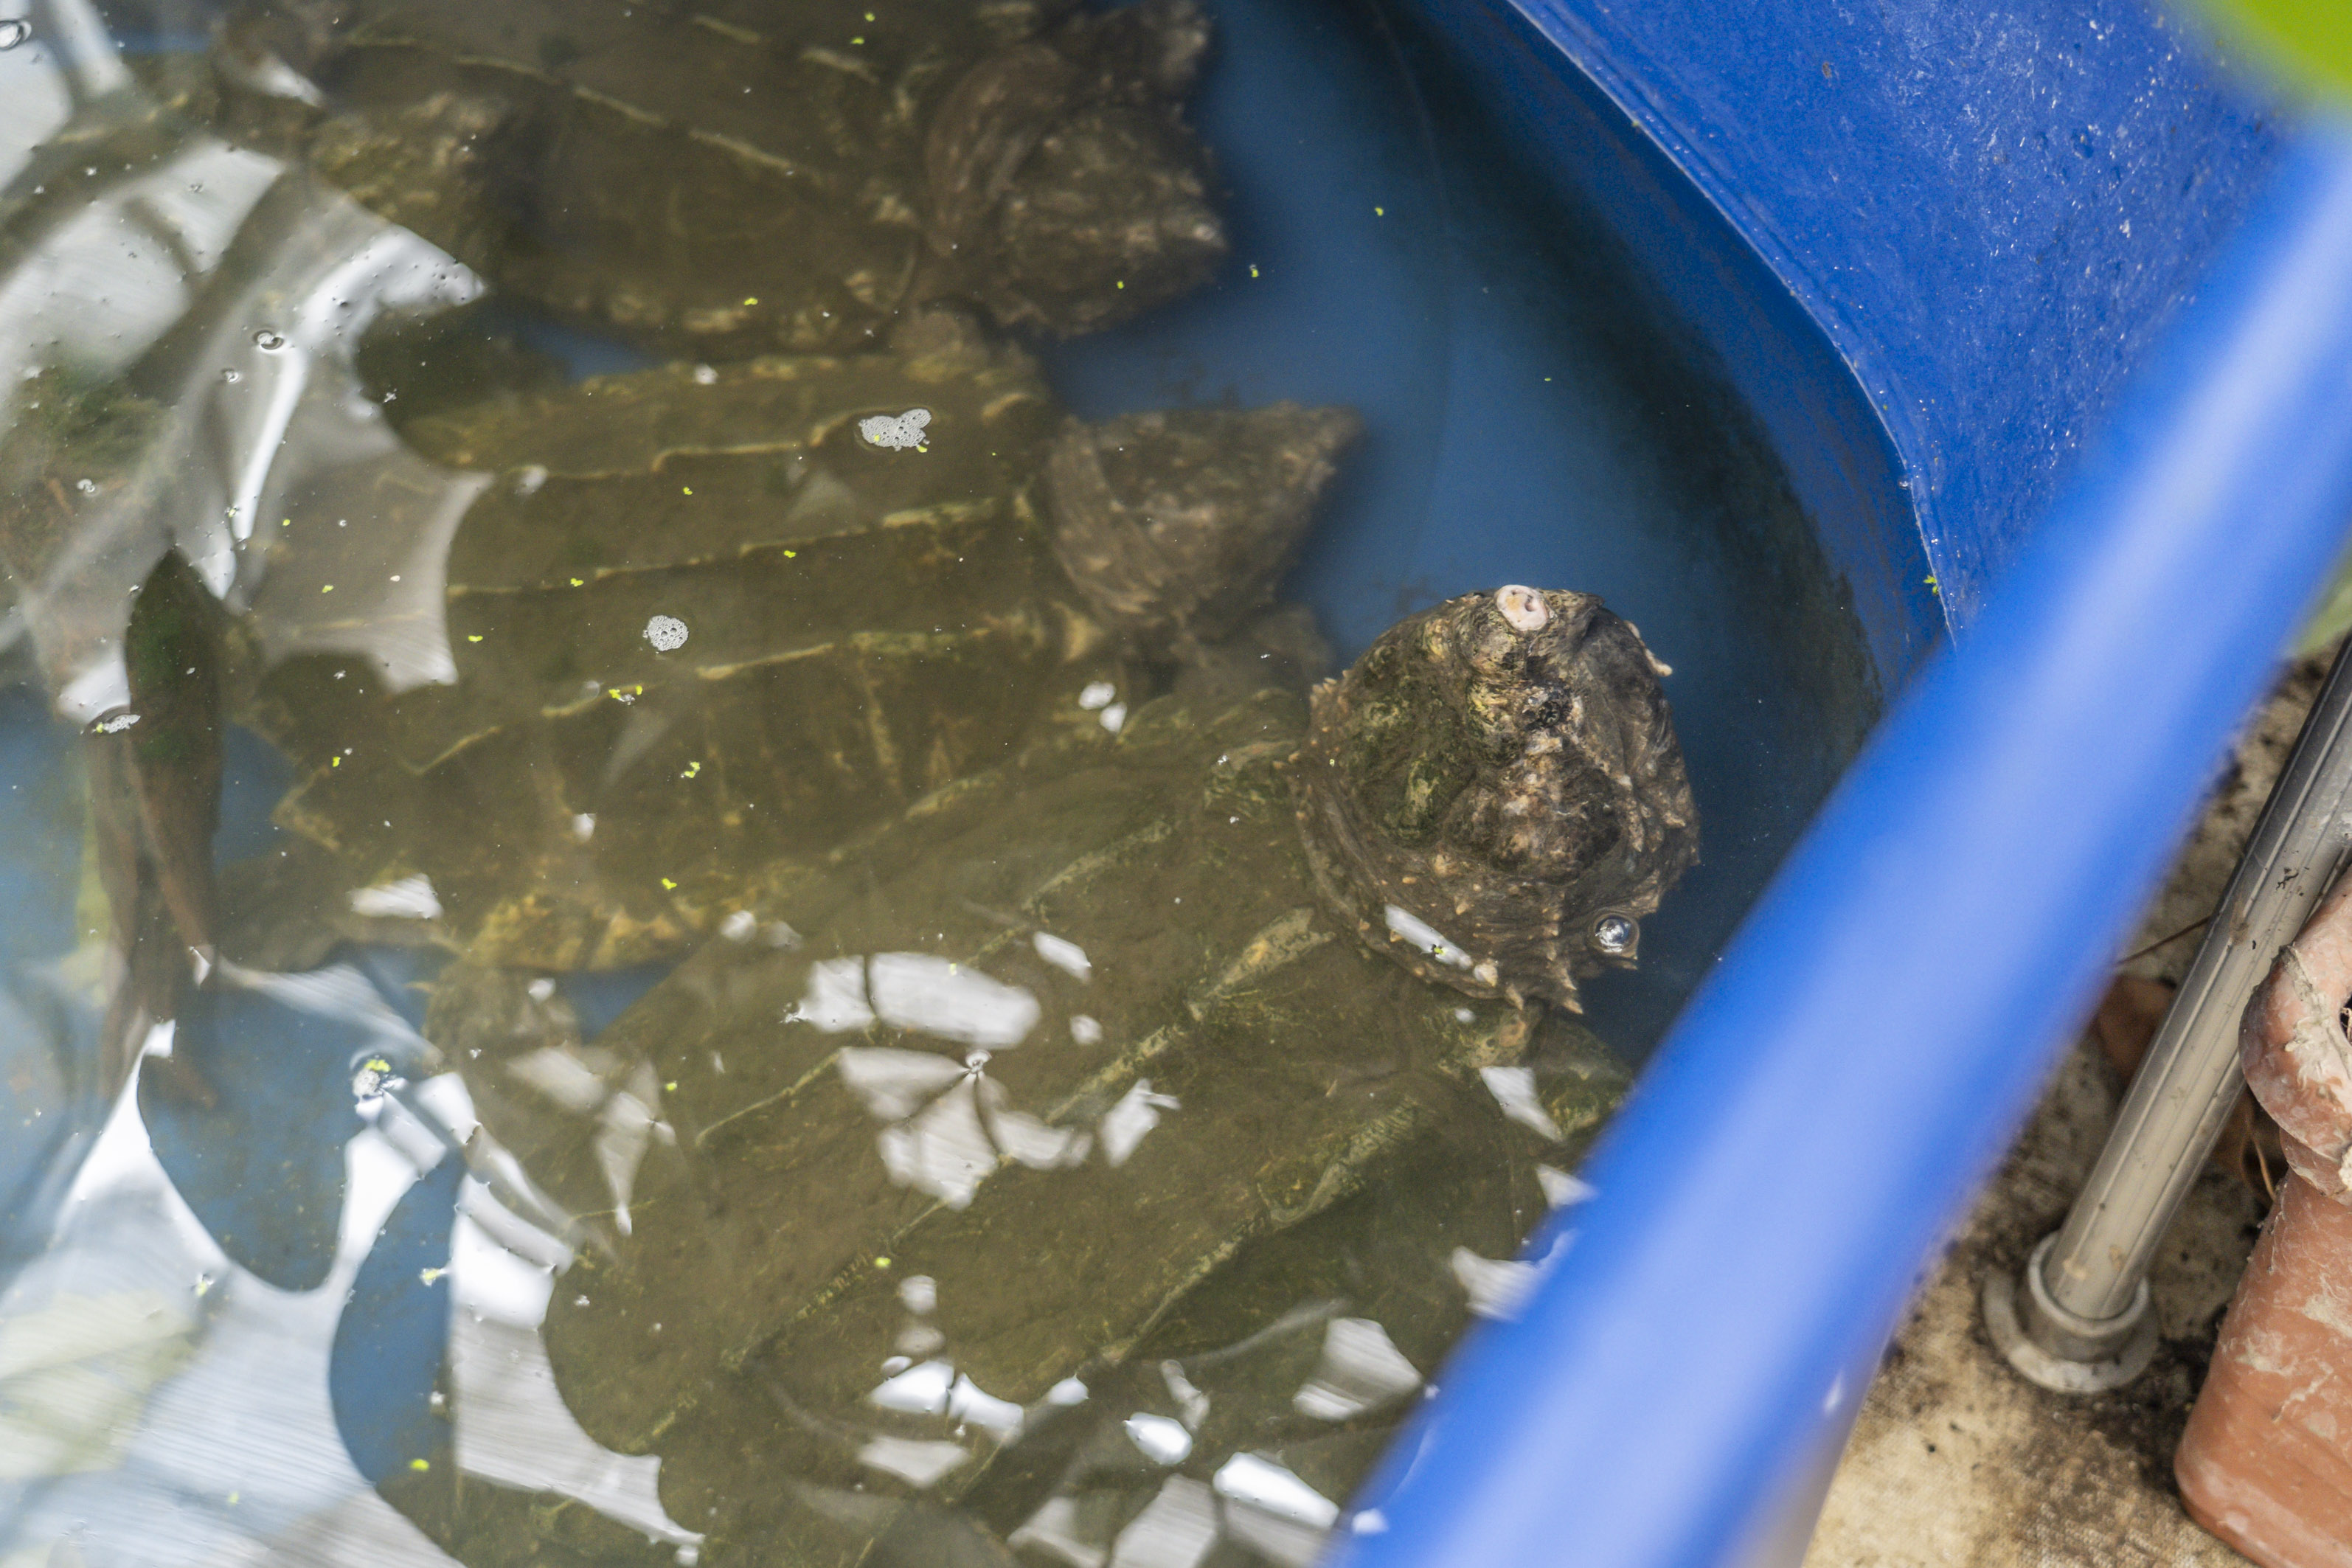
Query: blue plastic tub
(1789, 333)
(2041, 297)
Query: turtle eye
(1616, 934)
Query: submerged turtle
(734, 178)
(1301, 1348)
(993, 1104)
(710, 619)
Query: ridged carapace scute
(1493, 795)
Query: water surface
(575, 993)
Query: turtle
(706, 619)
(735, 178)
(1303, 1348)
(989, 1116)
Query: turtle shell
(1081, 1090)
(1096, 1042)
(698, 621)
(740, 178)
(709, 619)
(1304, 1347)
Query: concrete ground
(1957, 1460)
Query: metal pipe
(2083, 1321)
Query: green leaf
(2310, 41)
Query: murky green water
(795, 950)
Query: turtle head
(1176, 526)
(1493, 795)
(1064, 183)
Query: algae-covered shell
(1267, 1352)
(742, 177)
(705, 621)
(1079, 1059)
(1064, 1055)
(853, 627)
(1494, 794)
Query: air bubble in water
(14, 30)
(269, 342)
(231, 377)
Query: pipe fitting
(2063, 1350)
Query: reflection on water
(775, 953)
(164, 1405)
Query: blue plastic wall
(2103, 313)
(1939, 248)
(1982, 213)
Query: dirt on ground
(1957, 1460)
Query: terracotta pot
(2266, 1463)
